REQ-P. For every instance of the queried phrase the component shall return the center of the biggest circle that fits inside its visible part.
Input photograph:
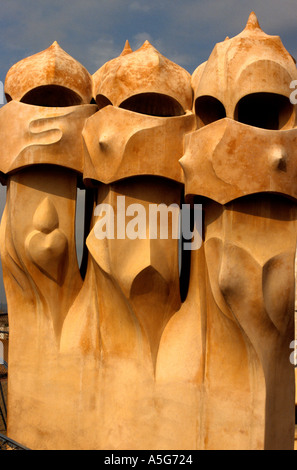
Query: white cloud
(103, 50)
(141, 7)
(92, 31)
(140, 38)
(165, 48)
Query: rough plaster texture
(121, 357)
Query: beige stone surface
(249, 271)
(131, 144)
(42, 135)
(255, 161)
(49, 75)
(144, 73)
(251, 62)
(119, 359)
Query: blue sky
(94, 31)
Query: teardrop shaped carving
(46, 218)
(47, 244)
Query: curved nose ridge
(104, 142)
(279, 158)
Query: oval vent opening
(265, 110)
(102, 101)
(52, 96)
(153, 104)
(8, 97)
(209, 109)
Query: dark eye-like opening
(209, 109)
(153, 104)
(84, 212)
(8, 97)
(185, 257)
(52, 96)
(264, 110)
(102, 101)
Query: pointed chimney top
(146, 45)
(53, 66)
(253, 22)
(145, 70)
(127, 49)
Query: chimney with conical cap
(50, 77)
(249, 63)
(144, 71)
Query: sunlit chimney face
(247, 78)
(145, 82)
(51, 78)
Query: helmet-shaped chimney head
(144, 73)
(242, 70)
(67, 82)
